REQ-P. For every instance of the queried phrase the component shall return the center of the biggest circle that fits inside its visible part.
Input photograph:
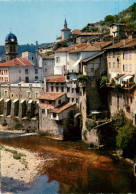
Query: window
(29, 94)
(32, 58)
(49, 101)
(68, 77)
(52, 88)
(130, 55)
(130, 68)
(57, 59)
(5, 92)
(109, 64)
(12, 95)
(77, 100)
(57, 89)
(125, 67)
(42, 101)
(19, 79)
(62, 89)
(68, 89)
(54, 115)
(36, 95)
(36, 71)
(36, 78)
(59, 102)
(26, 79)
(125, 55)
(72, 90)
(26, 71)
(43, 111)
(45, 70)
(19, 70)
(72, 99)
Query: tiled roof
(61, 79)
(62, 107)
(76, 32)
(17, 62)
(92, 57)
(96, 46)
(48, 56)
(90, 34)
(51, 95)
(70, 48)
(123, 44)
(130, 44)
(117, 24)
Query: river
(71, 167)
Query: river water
(71, 167)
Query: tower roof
(11, 37)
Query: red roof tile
(61, 79)
(76, 32)
(123, 44)
(48, 56)
(17, 62)
(62, 107)
(51, 95)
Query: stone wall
(51, 127)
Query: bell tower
(11, 46)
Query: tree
(109, 19)
(60, 45)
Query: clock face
(12, 39)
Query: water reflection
(40, 186)
(70, 168)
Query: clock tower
(11, 46)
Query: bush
(17, 156)
(125, 140)
(90, 124)
(118, 120)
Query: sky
(42, 20)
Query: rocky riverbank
(18, 167)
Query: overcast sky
(42, 20)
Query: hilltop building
(11, 46)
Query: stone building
(54, 108)
(118, 30)
(85, 36)
(11, 46)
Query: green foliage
(133, 12)
(60, 45)
(109, 19)
(103, 82)
(82, 78)
(118, 120)
(90, 124)
(17, 156)
(124, 136)
(11, 151)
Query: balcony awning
(127, 77)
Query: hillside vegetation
(127, 16)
